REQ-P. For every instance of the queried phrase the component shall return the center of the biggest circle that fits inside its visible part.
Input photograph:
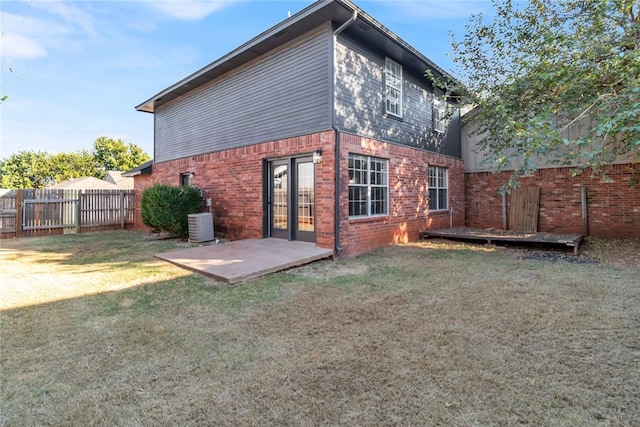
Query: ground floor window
(438, 188)
(368, 186)
(185, 179)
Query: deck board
(492, 235)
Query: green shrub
(166, 208)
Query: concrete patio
(241, 260)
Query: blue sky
(75, 70)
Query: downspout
(344, 26)
(337, 156)
(336, 208)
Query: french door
(290, 199)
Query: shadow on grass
(122, 247)
(401, 335)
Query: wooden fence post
(19, 198)
(78, 212)
(584, 211)
(504, 211)
(122, 210)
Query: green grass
(424, 334)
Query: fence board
(58, 211)
(45, 209)
(523, 213)
(100, 208)
(8, 211)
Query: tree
(26, 169)
(38, 169)
(555, 78)
(65, 166)
(111, 154)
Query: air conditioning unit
(200, 227)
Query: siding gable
(281, 94)
(359, 103)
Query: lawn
(95, 331)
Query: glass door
(279, 199)
(305, 222)
(291, 201)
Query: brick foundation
(613, 209)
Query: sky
(75, 70)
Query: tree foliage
(76, 164)
(38, 169)
(111, 154)
(26, 169)
(555, 79)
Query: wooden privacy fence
(525, 206)
(39, 212)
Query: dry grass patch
(52, 268)
(426, 334)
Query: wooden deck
(493, 235)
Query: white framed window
(438, 188)
(440, 119)
(393, 87)
(368, 186)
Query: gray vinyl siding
(360, 107)
(281, 94)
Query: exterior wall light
(317, 156)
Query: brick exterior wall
(234, 182)
(613, 209)
(140, 183)
(408, 196)
(233, 179)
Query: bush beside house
(167, 208)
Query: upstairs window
(439, 115)
(393, 88)
(368, 186)
(442, 113)
(438, 188)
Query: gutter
(338, 227)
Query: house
(568, 204)
(114, 180)
(84, 183)
(119, 180)
(322, 129)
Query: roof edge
(148, 106)
(143, 169)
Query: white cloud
(189, 10)
(19, 47)
(72, 16)
(142, 26)
(32, 35)
(22, 37)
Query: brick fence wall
(613, 208)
